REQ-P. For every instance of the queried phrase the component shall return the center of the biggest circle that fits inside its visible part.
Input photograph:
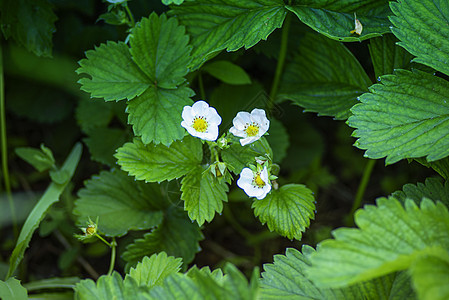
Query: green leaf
(421, 26)
(11, 289)
(287, 210)
(176, 235)
(41, 159)
(203, 195)
(160, 48)
(120, 203)
(430, 277)
(227, 72)
(324, 77)
(55, 282)
(114, 75)
(413, 130)
(432, 189)
(50, 196)
(156, 114)
(286, 278)
(168, 2)
(215, 25)
(153, 270)
(158, 162)
(30, 22)
(335, 19)
(389, 238)
(177, 286)
(387, 56)
(102, 143)
(441, 166)
(110, 287)
(238, 157)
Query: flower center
(200, 124)
(252, 129)
(258, 181)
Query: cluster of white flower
(202, 121)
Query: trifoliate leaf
(432, 189)
(153, 270)
(286, 279)
(227, 72)
(176, 235)
(406, 116)
(421, 26)
(110, 287)
(156, 114)
(389, 239)
(160, 48)
(40, 159)
(158, 162)
(336, 20)
(287, 211)
(119, 203)
(215, 25)
(324, 77)
(430, 277)
(102, 143)
(12, 289)
(441, 166)
(203, 195)
(387, 56)
(114, 75)
(30, 22)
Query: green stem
(201, 86)
(130, 15)
(113, 253)
(361, 190)
(5, 149)
(280, 64)
(103, 240)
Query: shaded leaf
(324, 77)
(11, 289)
(287, 210)
(430, 277)
(441, 166)
(176, 235)
(203, 195)
(40, 159)
(406, 116)
(278, 139)
(433, 189)
(158, 162)
(227, 72)
(102, 143)
(119, 202)
(421, 27)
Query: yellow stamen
(200, 124)
(252, 130)
(91, 229)
(258, 181)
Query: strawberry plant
(223, 149)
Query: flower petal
(248, 140)
(241, 120)
(213, 116)
(187, 114)
(200, 108)
(236, 132)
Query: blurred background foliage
(45, 105)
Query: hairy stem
(113, 253)
(130, 15)
(5, 149)
(361, 189)
(280, 64)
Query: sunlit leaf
(405, 116)
(421, 27)
(430, 277)
(158, 162)
(287, 210)
(203, 195)
(433, 189)
(12, 289)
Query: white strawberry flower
(201, 121)
(250, 126)
(255, 184)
